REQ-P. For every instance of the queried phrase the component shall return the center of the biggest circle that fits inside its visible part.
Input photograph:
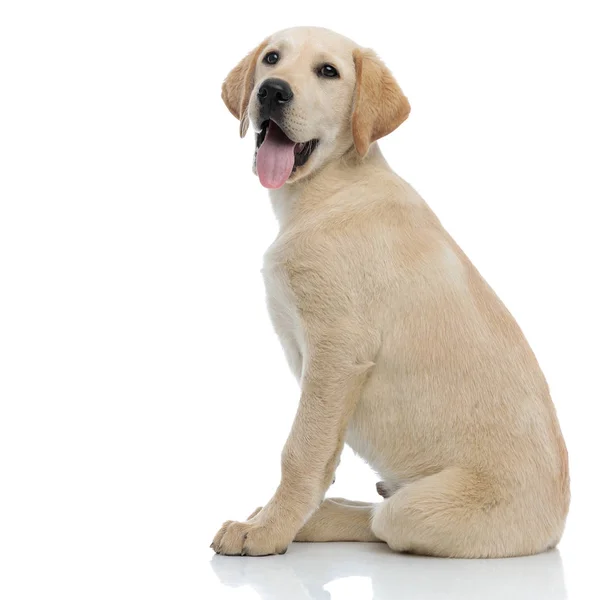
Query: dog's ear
(238, 85)
(379, 104)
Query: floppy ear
(379, 104)
(238, 86)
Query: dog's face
(311, 95)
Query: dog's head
(311, 95)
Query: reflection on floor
(317, 572)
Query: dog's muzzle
(277, 155)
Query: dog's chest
(280, 301)
(282, 308)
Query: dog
(401, 349)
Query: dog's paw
(249, 539)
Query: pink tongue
(275, 158)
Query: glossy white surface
(342, 571)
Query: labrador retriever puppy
(400, 347)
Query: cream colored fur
(401, 348)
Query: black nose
(274, 93)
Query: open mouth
(277, 157)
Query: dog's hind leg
(339, 520)
(461, 513)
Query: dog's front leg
(331, 385)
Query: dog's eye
(328, 71)
(271, 58)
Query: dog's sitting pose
(401, 349)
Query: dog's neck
(294, 198)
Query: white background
(144, 397)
